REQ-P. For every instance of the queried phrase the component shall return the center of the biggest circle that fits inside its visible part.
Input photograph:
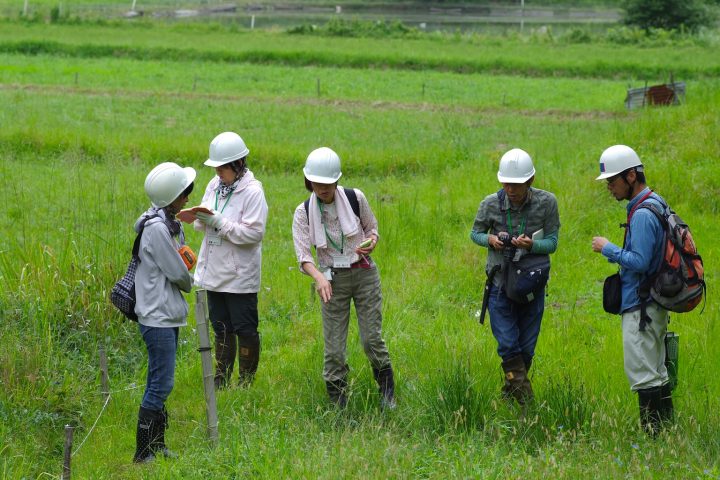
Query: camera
(508, 248)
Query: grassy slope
(77, 156)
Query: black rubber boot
(249, 350)
(145, 436)
(337, 391)
(386, 383)
(158, 446)
(651, 407)
(667, 413)
(225, 346)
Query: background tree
(668, 14)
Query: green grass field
(80, 129)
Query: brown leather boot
(516, 375)
(225, 358)
(249, 350)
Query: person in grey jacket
(161, 277)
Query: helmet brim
(219, 163)
(523, 179)
(324, 180)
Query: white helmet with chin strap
(617, 159)
(322, 166)
(166, 182)
(516, 166)
(225, 148)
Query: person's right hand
(324, 288)
(495, 242)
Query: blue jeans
(161, 345)
(516, 327)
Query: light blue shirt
(643, 249)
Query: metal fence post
(207, 364)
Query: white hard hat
(322, 166)
(166, 182)
(516, 166)
(225, 148)
(617, 159)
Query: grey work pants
(362, 286)
(644, 352)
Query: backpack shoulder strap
(136, 245)
(501, 199)
(351, 196)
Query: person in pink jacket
(230, 257)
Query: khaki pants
(644, 352)
(362, 285)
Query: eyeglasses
(612, 179)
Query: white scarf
(349, 223)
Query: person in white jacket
(230, 257)
(160, 279)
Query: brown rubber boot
(225, 358)
(516, 375)
(249, 350)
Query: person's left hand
(598, 243)
(367, 250)
(216, 220)
(523, 241)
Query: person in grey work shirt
(161, 277)
(519, 226)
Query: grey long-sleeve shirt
(160, 277)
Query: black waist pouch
(612, 294)
(525, 278)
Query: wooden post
(252, 22)
(67, 452)
(207, 364)
(423, 91)
(522, 14)
(76, 78)
(194, 83)
(318, 87)
(104, 377)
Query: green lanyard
(226, 201)
(521, 227)
(341, 248)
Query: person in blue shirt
(643, 326)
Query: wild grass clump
(458, 398)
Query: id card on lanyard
(340, 260)
(213, 238)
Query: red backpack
(679, 283)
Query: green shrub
(668, 14)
